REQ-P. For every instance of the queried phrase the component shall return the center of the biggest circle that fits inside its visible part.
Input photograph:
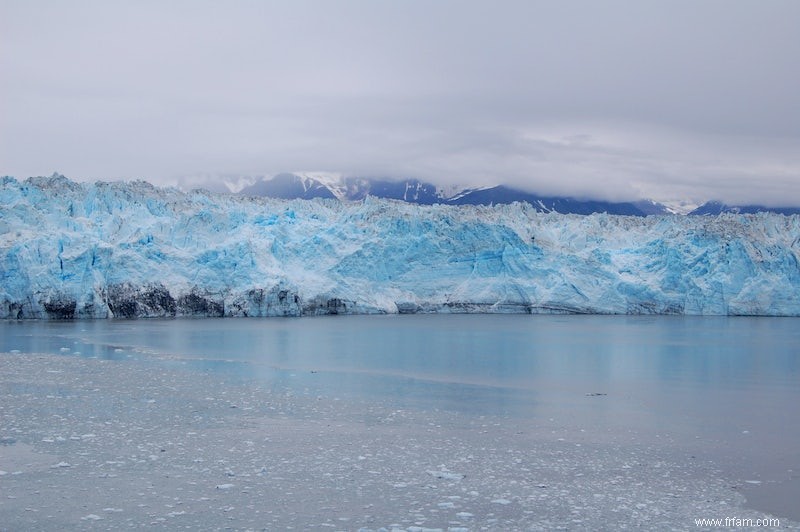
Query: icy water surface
(461, 422)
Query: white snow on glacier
(131, 249)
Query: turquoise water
(699, 381)
(702, 392)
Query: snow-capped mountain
(501, 194)
(291, 186)
(714, 208)
(70, 250)
(308, 186)
(679, 206)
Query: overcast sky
(615, 99)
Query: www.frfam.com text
(723, 522)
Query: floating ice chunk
(60, 464)
(446, 475)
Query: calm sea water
(729, 386)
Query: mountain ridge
(311, 185)
(305, 186)
(713, 208)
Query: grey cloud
(615, 99)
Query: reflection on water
(524, 352)
(723, 388)
(693, 375)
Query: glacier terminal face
(70, 250)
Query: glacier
(124, 250)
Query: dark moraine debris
(259, 302)
(194, 304)
(331, 306)
(336, 305)
(151, 301)
(60, 308)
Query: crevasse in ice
(130, 250)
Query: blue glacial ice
(132, 250)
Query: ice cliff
(70, 250)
